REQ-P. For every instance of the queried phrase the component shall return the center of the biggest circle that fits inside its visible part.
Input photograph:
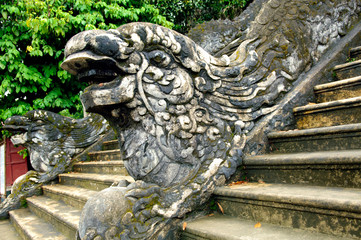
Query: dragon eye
(159, 57)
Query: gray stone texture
(329, 210)
(52, 141)
(347, 88)
(220, 227)
(182, 116)
(348, 70)
(103, 213)
(339, 168)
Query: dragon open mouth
(16, 124)
(92, 68)
(95, 76)
(111, 83)
(18, 133)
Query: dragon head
(51, 138)
(151, 84)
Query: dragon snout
(16, 124)
(91, 68)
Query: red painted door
(16, 165)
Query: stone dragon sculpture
(52, 141)
(182, 115)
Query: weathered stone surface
(8, 231)
(331, 168)
(73, 196)
(67, 191)
(220, 227)
(63, 217)
(105, 155)
(282, 118)
(215, 35)
(101, 214)
(348, 70)
(342, 89)
(52, 140)
(103, 167)
(111, 145)
(340, 112)
(181, 115)
(333, 138)
(327, 210)
(24, 186)
(178, 139)
(93, 181)
(230, 33)
(32, 227)
(355, 53)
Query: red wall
(15, 164)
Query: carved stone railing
(181, 115)
(52, 141)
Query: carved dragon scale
(182, 115)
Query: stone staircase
(55, 215)
(309, 185)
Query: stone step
(92, 181)
(107, 155)
(8, 231)
(101, 167)
(220, 227)
(63, 217)
(343, 137)
(355, 53)
(73, 196)
(111, 145)
(330, 210)
(342, 89)
(345, 111)
(348, 70)
(330, 168)
(31, 227)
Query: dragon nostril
(77, 65)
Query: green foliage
(34, 32)
(24, 153)
(5, 134)
(212, 204)
(186, 13)
(23, 203)
(350, 59)
(33, 35)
